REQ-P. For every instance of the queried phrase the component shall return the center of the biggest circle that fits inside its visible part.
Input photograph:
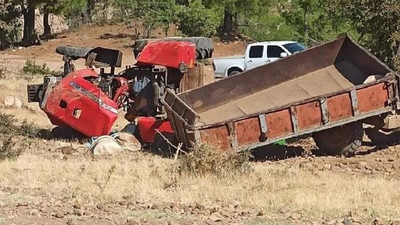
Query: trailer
(330, 91)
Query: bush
(7, 150)
(6, 124)
(196, 20)
(30, 67)
(204, 160)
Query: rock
(261, 213)
(17, 103)
(395, 222)
(11, 101)
(327, 166)
(215, 217)
(66, 150)
(362, 165)
(106, 145)
(59, 215)
(78, 212)
(295, 216)
(34, 212)
(71, 222)
(129, 142)
(347, 221)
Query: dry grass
(274, 188)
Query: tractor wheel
(344, 140)
(204, 46)
(382, 137)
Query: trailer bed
(314, 90)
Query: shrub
(204, 160)
(6, 124)
(30, 67)
(7, 150)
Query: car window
(274, 51)
(256, 51)
(294, 47)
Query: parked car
(257, 54)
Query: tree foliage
(378, 23)
(9, 24)
(195, 19)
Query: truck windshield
(294, 47)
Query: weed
(29, 130)
(30, 67)
(6, 123)
(102, 185)
(7, 150)
(204, 160)
(26, 129)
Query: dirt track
(294, 185)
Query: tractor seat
(73, 52)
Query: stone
(327, 166)
(34, 212)
(106, 145)
(9, 101)
(17, 103)
(261, 213)
(78, 212)
(12, 102)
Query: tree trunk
(46, 24)
(87, 15)
(227, 28)
(29, 36)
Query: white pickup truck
(257, 54)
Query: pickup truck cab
(257, 54)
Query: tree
(28, 10)
(9, 23)
(378, 23)
(150, 13)
(315, 20)
(196, 20)
(232, 10)
(50, 6)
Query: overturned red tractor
(88, 102)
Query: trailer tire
(344, 140)
(382, 137)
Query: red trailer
(328, 91)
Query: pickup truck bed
(315, 90)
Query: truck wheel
(382, 137)
(233, 73)
(344, 140)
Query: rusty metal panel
(279, 123)
(248, 131)
(339, 107)
(217, 137)
(309, 115)
(372, 98)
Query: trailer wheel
(382, 137)
(344, 140)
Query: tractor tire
(344, 140)
(382, 137)
(204, 46)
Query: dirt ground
(290, 185)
